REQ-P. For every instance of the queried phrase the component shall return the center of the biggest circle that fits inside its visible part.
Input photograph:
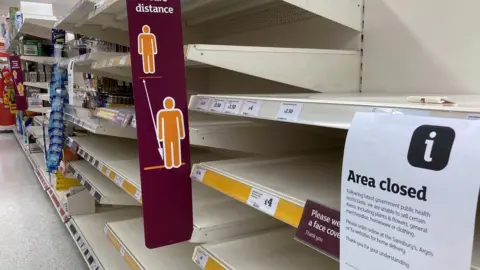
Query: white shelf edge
(103, 127)
(39, 59)
(40, 85)
(337, 110)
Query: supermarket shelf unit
(107, 20)
(222, 132)
(216, 216)
(340, 67)
(86, 230)
(312, 76)
(32, 27)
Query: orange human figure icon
(147, 48)
(170, 131)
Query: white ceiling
(60, 7)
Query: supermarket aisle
(32, 235)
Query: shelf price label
(118, 180)
(198, 174)
(138, 195)
(263, 201)
(201, 258)
(251, 108)
(289, 111)
(123, 61)
(203, 104)
(134, 122)
(218, 105)
(111, 62)
(122, 251)
(232, 107)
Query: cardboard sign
(320, 229)
(409, 193)
(158, 70)
(20, 90)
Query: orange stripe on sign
(158, 167)
(151, 77)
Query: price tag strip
(39, 175)
(84, 181)
(122, 251)
(202, 258)
(58, 206)
(280, 208)
(83, 246)
(112, 175)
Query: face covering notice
(409, 193)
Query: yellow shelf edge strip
(286, 211)
(118, 246)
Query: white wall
(422, 46)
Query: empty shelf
(100, 19)
(104, 190)
(115, 158)
(287, 181)
(336, 110)
(275, 250)
(128, 238)
(89, 236)
(216, 216)
(340, 70)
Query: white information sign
(409, 193)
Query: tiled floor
(32, 236)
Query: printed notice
(320, 228)
(409, 193)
